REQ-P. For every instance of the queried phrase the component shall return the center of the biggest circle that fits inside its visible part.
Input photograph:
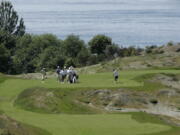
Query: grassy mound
(9, 126)
(45, 100)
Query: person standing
(58, 70)
(116, 75)
(61, 75)
(64, 74)
(68, 74)
(43, 72)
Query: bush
(149, 49)
(170, 43)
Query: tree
(4, 58)
(70, 62)
(98, 44)
(50, 58)
(8, 40)
(23, 57)
(93, 59)
(35, 52)
(73, 45)
(83, 57)
(11, 28)
(112, 51)
(9, 20)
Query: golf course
(87, 67)
(80, 121)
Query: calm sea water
(128, 22)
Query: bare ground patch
(134, 101)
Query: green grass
(2, 78)
(148, 85)
(63, 99)
(52, 101)
(9, 126)
(144, 118)
(78, 124)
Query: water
(127, 22)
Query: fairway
(77, 124)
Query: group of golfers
(70, 75)
(63, 75)
(67, 75)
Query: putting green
(61, 124)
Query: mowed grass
(96, 124)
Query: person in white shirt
(43, 71)
(116, 75)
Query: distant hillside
(163, 57)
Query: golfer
(43, 71)
(116, 75)
(58, 70)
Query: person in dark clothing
(58, 70)
(116, 75)
(70, 77)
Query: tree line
(21, 52)
(29, 53)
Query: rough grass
(106, 124)
(168, 60)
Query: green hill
(165, 57)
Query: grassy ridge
(44, 100)
(9, 126)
